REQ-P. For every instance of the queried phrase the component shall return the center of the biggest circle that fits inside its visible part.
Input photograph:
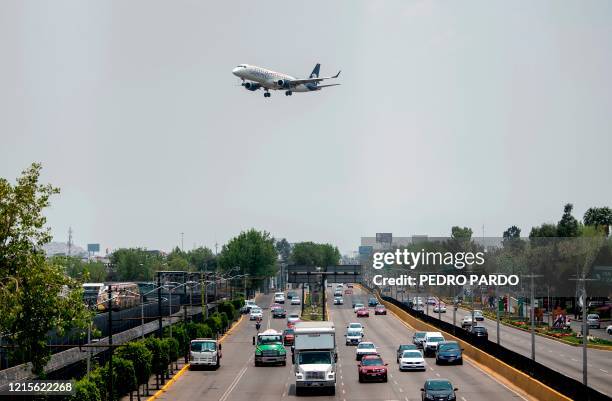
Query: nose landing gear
(267, 94)
(288, 93)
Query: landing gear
(267, 94)
(288, 93)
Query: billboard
(384, 238)
(93, 248)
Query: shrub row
(134, 362)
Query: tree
(461, 233)
(124, 377)
(599, 217)
(512, 232)
(35, 294)
(545, 230)
(568, 225)
(177, 260)
(512, 238)
(283, 247)
(202, 259)
(252, 252)
(313, 254)
(86, 390)
(136, 264)
(142, 359)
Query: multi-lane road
(238, 379)
(561, 357)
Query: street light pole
(110, 340)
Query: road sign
(93, 248)
(314, 274)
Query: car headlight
(258, 352)
(429, 396)
(299, 376)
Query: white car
(478, 316)
(255, 313)
(466, 321)
(293, 318)
(295, 301)
(412, 360)
(357, 307)
(355, 326)
(338, 301)
(593, 321)
(609, 329)
(440, 308)
(365, 348)
(279, 297)
(353, 337)
(430, 344)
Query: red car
(380, 310)
(288, 337)
(372, 368)
(363, 312)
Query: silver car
(593, 321)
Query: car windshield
(438, 385)
(353, 333)
(255, 310)
(372, 361)
(435, 339)
(358, 305)
(306, 358)
(203, 346)
(289, 331)
(269, 339)
(294, 316)
(406, 346)
(419, 335)
(477, 312)
(593, 317)
(355, 325)
(411, 354)
(449, 347)
(370, 346)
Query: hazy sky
(450, 113)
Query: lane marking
(234, 382)
(463, 399)
(437, 374)
(343, 391)
(401, 390)
(605, 371)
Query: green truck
(269, 348)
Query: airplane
(258, 77)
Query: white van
(279, 297)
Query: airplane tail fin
(315, 72)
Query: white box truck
(314, 356)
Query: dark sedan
(479, 333)
(449, 352)
(279, 313)
(439, 390)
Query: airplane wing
(325, 86)
(311, 80)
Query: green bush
(159, 351)
(97, 376)
(124, 376)
(180, 333)
(86, 390)
(224, 320)
(214, 324)
(173, 348)
(229, 309)
(198, 330)
(218, 322)
(141, 357)
(238, 303)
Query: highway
(564, 358)
(238, 379)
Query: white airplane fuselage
(269, 79)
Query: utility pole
(182, 242)
(159, 306)
(532, 313)
(585, 327)
(69, 241)
(110, 340)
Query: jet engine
(252, 86)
